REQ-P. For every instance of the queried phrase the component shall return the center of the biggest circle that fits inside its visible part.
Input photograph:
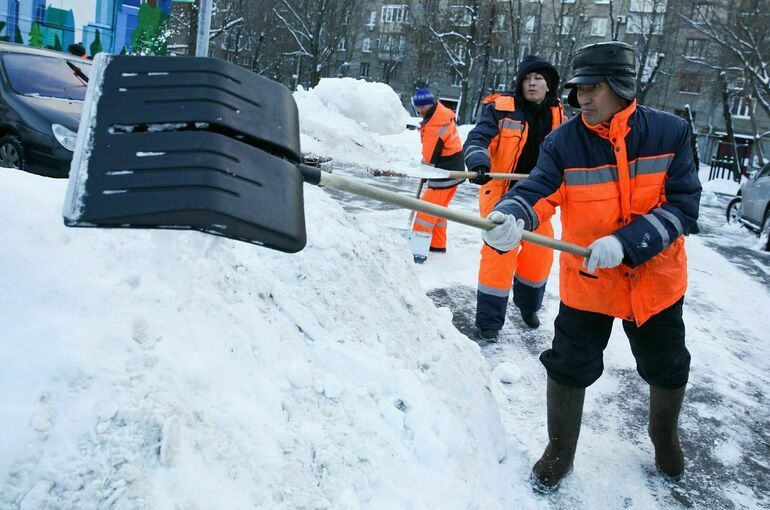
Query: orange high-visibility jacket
(441, 145)
(504, 147)
(634, 179)
(439, 136)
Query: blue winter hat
(423, 97)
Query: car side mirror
(753, 175)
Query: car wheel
(734, 211)
(764, 233)
(11, 152)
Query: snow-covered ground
(175, 370)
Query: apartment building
(465, 49)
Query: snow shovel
(431, 172)
(419, 242)
(203, 144)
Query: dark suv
(751, 207)
(41, 98)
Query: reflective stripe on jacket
(634, 179)
(496, 143)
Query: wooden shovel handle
(502, 176)
(338, 182)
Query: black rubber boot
(489, 334)
(565, 412)
(531, 319)
(664, 431)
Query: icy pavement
(724, 421)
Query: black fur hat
(611, 61)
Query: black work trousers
(575, 356)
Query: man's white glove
(606, 252)
(507, 234)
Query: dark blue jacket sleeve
(652, 233)
(543, 182)
(476, 147)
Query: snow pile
(375, 106)
(356, 121)
(163, 369)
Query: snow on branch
(225, 28)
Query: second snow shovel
(425, 172)
(203, 144)
(419, 242)
(431, 172)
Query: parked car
(41, 98)
(751, 206)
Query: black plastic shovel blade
(188, 143)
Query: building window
(641, 23)
(649, 6)
(566, 25)
(602, 1)
(529, 25)
(342, 44)
(461, 15)
(392, 46)
(460, 51)
(457, 79)
(364, 70)
(690, 83)
(389, 71)
(696, 48)
(372, 20)
(701, 12)
(342, 68)
(498, 83)
(742, 106)
(366, 45)
(499, 23)
(394, 13)
(599, 27)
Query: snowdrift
(165, 369)
(356, 121)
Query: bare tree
(741, 30)
(514, 12)
(319, 28)
(461, 37)
(646, 25)
(564, 35)
(728, 118)
(617, 21)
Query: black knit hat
(611, 61)
(533, 63)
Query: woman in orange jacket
(507, 139)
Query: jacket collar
(617, 125)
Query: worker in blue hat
(442, 148)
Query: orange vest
(440, 126)
(505, 148)
(594, 205)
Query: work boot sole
(545, 489)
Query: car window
(765, 172)
(37, 75)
